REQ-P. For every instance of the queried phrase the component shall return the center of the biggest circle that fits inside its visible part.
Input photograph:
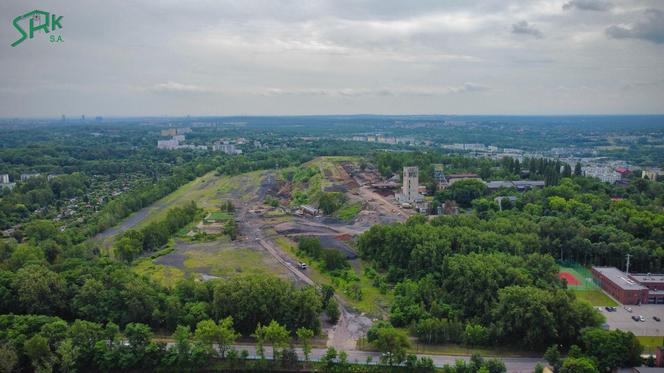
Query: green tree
(222, 334)
(578, 365)
(392, 343)
(231, 229)
(333, 260)
(129, 246)
(476, 335)
(611, 348)
(273, 334)
(8, 359)
(40, 230)
(304, 335)
(139, 337)
(332, 311)
(329, 359)
(182, 336)
(37, 350)
(40, 290)
(310, 246)
(67, 355)
(552, 356)
(465, 191)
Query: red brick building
(630, 289)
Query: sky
(271, 57)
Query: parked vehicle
(628, 309)
(635, 318)
(656, 318)
(303, 265)
(642, 319)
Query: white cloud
(333, 56)
(174, 87)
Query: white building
(4, 178)
(651, 174)
(226, 148)
(25, 177)
(604, 173)
(409, 189)
(168, 144)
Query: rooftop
(648, 277)
(456, 176)
(619, 278)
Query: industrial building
(409, 188)
(630, 288)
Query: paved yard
(621, 319)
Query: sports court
(577, 276)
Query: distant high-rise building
(25, 177)
(4, 178)
(83, 117)
(651, 174)
(64, 118)
(411, 183)
(168, 144)
(169, 132)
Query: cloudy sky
(259, 57)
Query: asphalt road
(513, 364)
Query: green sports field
(579, 280)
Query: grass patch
(650, 343)
(165, 275)
(647, 341)
(595, 297)
(229, 262)
(349, 211)
(275, 213)
(454, 349)
(219, 216)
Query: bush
(310, 246)
(333, 259)
(332, 310)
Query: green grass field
(230, 262)
(219, 216)
(650, 344)
(596, 297)
(349, 211)
(454, 349)
(165, 275)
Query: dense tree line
(43, 343)
(101, 290)
(599, 350)
(490, 275)
(155, 235)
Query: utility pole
(627, 269)
(561, 253)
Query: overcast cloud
(214, 57)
